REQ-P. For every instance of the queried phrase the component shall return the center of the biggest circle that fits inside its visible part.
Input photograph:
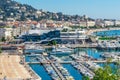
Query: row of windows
(49, 35)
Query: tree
(3, 39)
(0, 50)
(105, 74)
(49, 43)
(118, 68)
(85, 78)
(54, 43)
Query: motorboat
(34, 47)
(61, 49)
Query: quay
(76, 46)
(57, 71)
(69, 62)
(89, 32)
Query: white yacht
(61, 49)
(39, 48)
(34, 47)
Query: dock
(69, 62)
(57, 71)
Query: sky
(108, 9)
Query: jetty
(69, 62)
(57, 71)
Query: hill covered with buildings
(12, 10)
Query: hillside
(12, 10)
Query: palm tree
(85, 78)
(54, 43)
(0, 50)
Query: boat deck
(11, 68)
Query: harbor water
(110, 33)
(74, 72)
(30, 58)
(40, 70)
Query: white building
(117, 23)
(6, 32)
(74, 34)
(37, 31)
(108, 23)
(83, 23)
(87, 23)
(99, 22)
(16, 31)
(90, 23)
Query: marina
(81, 61)
(68, 61)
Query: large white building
(6, 33)
(108, 23)
(87, 23)
(90, 23)
(117, 23)
(99, 22)
(74, 34)
(83, 23)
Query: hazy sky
(92, 8)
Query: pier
(57, 71)
(69, 62)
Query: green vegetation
(29, 13)
(4, 26)
(0, 50)
(3, 39)
(105, 74)
(65, 30)
(107, 38)
(54, 43)
(78, 27)
(85, 78)
(92, 27)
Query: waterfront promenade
(11, 69)
(89, 32)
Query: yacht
(61, 49)
(39, 48)
(34, 47)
